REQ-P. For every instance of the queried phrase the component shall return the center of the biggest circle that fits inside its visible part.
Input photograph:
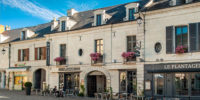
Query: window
(131, 14)
(128, 82)
(63, 25)
(131, 44)
(182, 36)
(23, 55)
(98, 20)
(122, 81)
(195, 84)
(40, 53)
(99, 46)
(63, 53)
(181, 83)
(159, 84)
(23, 35)
(63, 50)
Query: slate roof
(162, 4)
(83, 19)
(39, 30)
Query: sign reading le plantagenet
(182, 66)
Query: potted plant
(128, 55)
(28, 86)
(58, 60)
(81, 94)
(95, 57)
(180, 49)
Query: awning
(19, 69)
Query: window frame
(99, 46)
(63, 26)
(63, 52)
(23, 35)
(98, 19)
(164, 77)
(131, 12)
(40, 52)
(23, 55)
(175, 31)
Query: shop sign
(69, 69)
(48, 54)
(20, 65)
(182, 66)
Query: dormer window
(131, 13)
(131, 9)
(23, 35)
(98, 20)
(63, 25)
(100, 17)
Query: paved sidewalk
(20, 95)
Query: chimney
(2, 29)
(71, 12)
(54, 24)
(7, 28)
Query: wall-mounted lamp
(3, 51)
(139, 20)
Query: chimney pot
(71, 12)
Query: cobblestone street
(20, 95)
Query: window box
(129, 57)
(181, 49)
(96, 58)
(60, 61)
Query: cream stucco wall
(156, 23)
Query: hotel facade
(155, 55)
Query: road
(20, 95)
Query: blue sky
(23, 13)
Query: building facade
(107, 48)
(172, 45)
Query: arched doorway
(40, 77)
(96, 82)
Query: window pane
(131, 43)
(131, 14)
(159, 84)
(181, 84)
(195, 84)
(122, 81)
(63, 50)
(182, 36)
(98, 20)
(63, 26)
(99, 46)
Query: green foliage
(81, 94)
(82, 91)
(28, 84)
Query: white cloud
(34, 9)
(82, 6)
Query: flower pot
(28, 90)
